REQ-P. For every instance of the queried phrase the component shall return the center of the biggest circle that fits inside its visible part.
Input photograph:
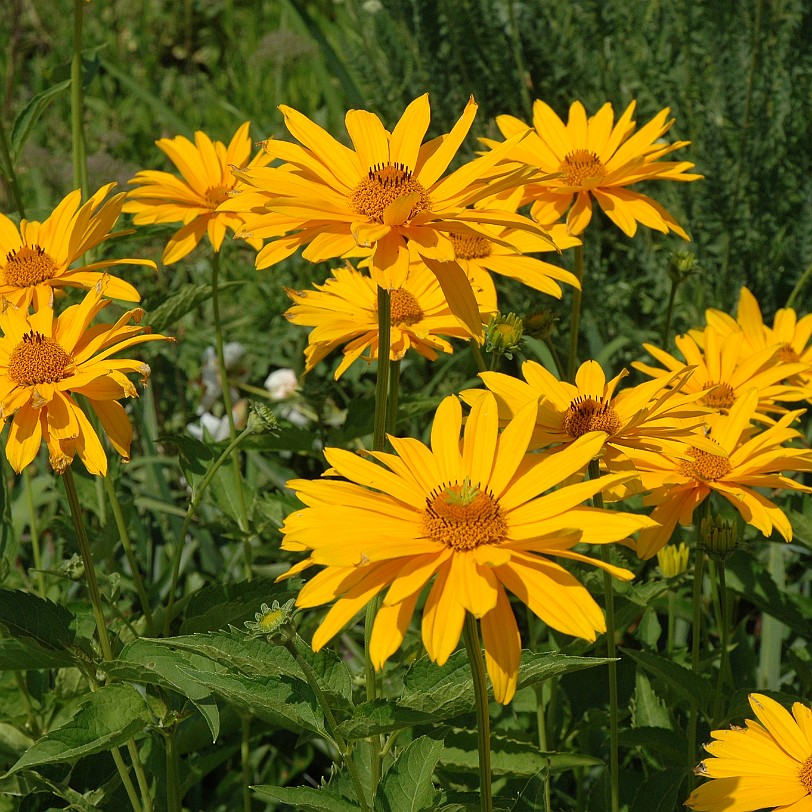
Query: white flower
(209, 428)
(281, 384)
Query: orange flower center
(37, 359)
(805, 774)
(581, 166)
(705, 466)
(404, 308)
(788, 355)
(463, 517)
(383, 185)
(721, 399)
(467, 246)
(28, 266)
(590, 414)
(215, 195)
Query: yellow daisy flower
(470, 516)
(745, 459)
(646, 416)
(36, 258)
(386, 193)
(765, 765)
(789, 332)
(45, 359)
(206, 181)
(344, 311)
(724, 372)
(596, 158)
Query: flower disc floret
(464, 517)
(587, 414)
(404, 308)
(582, 167)
(29, 265)
(705, 466)
(805, 774)
(37, 359)
(469, 246)
(383, 185)
(721, 398)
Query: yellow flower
(745, 459)
(725, 373)
(790, 333)
(765, 765)
(644, 416)
(594, 157)
(386, 193)
(673, 560)
(470, 516)
(35, 258)
(206, 181)
(344, 310)
(45, 359)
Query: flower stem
(669, 311)
(245, 763)
(611, 653)
(479, 359)
(77, 106)
(104, 639)
(724, 623)
(575, 318)
(471, 637)
(121, 525)
(9, 173)
(696, 634)
(799, 286)
(200, 490)
(292, 645)
(383, 370)
(34, 530)
(174, 803)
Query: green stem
(474, 650)
(556, 357)
(232, 428)
(393, 398)
(104, 640)
(9, 173)
(124, 536)
(174, 801)
(245, 762)
(77, 102)
(201, 489)
(669, 311)
(672, 604)
(124, 774)
(724, 660)
(575, 318)
(34, 530)
(696, 629)
(383, 370)
(611, 653)
(799, 286)
(479, 358)
(329, 719)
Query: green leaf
(531, 798)
(671, 746)
(146, 661)
(659, 792)
(27, 653)
(28, 616)
(648, 710)
(385, 716)
(690, 686)
(167, 315)
(508, 756)
(28, 116)
(748, 578)
(106, 719)
(407, 785)
(535, 668)
(306, 799)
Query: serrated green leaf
(535, 668)
(13, 742)
(220, 606)
(407, 785)
(508, 756)
(384, 716)
(659, 791)
(648, 710)
(106, 719)
(306, 799)
(173, 309)
(147, 661)
(28, 616)
(26, 653)
(279, 700)
(531, 798)
(748, 577)
(687, 684)
(670, 745)
(28, 116)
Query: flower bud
(673, 560)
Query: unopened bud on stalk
(503, 334)
(673, 560)
(719, 538)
